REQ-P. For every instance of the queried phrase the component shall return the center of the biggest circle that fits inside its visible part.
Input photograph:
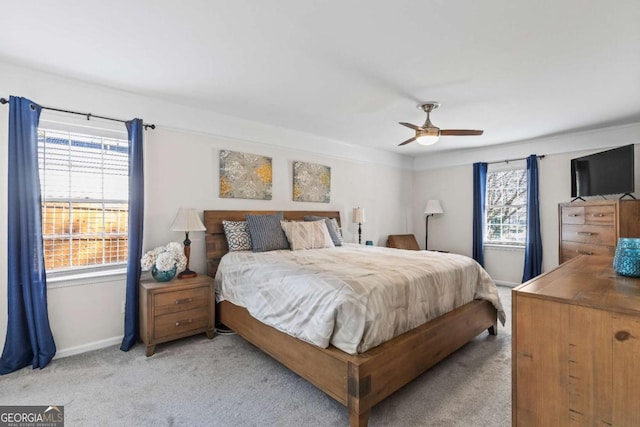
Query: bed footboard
(361, 381)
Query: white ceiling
(351, 70)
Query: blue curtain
(533, 248)
(136, 216)
(29, 339)
(479, 198)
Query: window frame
(519, 165)
(78, 274)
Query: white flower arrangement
(165, 258)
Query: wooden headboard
(216, 242)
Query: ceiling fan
(428, 134)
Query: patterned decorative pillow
(238, 237)
(332, 226)
(307, 235)
(266, 233)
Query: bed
(358, 381)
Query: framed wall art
(311, 182)
(245, 176)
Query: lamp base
(187, 274)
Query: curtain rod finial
(4, 101)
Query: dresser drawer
(572, 215)
(181, 322)
(600, 215)
(573, 249)
(597, 215)
(181, 300)
(592, 234)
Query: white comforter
(353, 297)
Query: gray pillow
(332, 226)
(266, 232)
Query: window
(506, 222)
(85, 191)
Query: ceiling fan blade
(460, 132)
(409, 125)
(407, 141)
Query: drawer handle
(584, 252)
(182, 322)
(573, 215)
(598, 215)
(183, 301)
(586, 233)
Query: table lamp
(187, 220)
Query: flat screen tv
(607, 172)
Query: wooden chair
(403, 241)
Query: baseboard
(95, 345)
(508, 284)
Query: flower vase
(163, 275)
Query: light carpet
(228, 382)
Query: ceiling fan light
(428, 136)
(427, 139)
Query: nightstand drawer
(175, 301)
(181, 322)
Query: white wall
(452, 184)
(181, 169)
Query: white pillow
(307, 235)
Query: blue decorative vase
(163, 276)
(626, 261)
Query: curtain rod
(87, 115)
(513, 160)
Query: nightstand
(175, 309)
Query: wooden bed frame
(357, 381)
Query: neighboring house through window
(506, 205)
(85, 191)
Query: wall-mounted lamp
(187, 220)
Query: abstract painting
(311, 182)
(245, 176)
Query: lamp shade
(433, 207)
(358, 216)
(187, 220)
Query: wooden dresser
(175, 309)
(576, 347)
(594, 227)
